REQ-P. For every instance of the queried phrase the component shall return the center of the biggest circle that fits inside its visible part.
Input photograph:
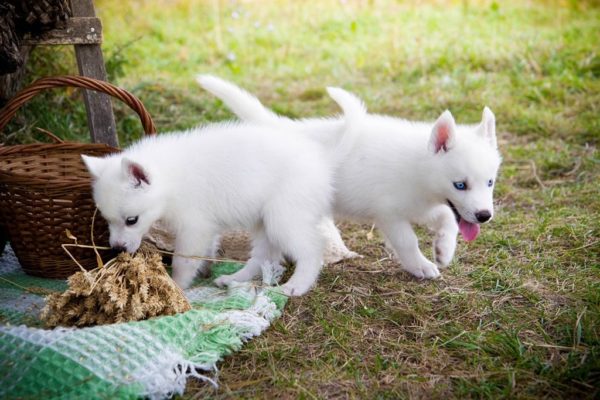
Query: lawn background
(517, 314)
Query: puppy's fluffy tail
(249, 109)
(354, 113)
(243, 104)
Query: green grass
(517, 314)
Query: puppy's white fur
(399, 173)
(201, 182)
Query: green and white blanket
(150, 358)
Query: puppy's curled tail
(243, 104)
(354, 113)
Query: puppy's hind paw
(334, 258)
(353, 254)
(292, 291)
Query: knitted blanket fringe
(152, 358)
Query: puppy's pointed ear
(443, 133)
(95, 165)
(487, 128)
(134, 172)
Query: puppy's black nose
(119, 249)
(483, 216)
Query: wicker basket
(45, 188)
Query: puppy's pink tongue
(468, 230)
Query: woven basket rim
(46, 151)
(19, 149)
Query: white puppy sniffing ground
(204, 181)
(399, 173)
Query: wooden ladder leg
(90, 61)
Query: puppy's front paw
(424, 270)
(223, 280)
(183, 277)
(444, 249)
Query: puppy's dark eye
(490, 183)
(460, 185)
(129, 221)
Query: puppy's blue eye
(490, 183)
(129, 221)
(460, 185)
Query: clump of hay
(127, 288)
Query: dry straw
(127, 288)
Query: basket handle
(11, 108)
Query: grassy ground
(517, 314)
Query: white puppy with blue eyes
(277, 185)
(400, 173)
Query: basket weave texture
(45, 189)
